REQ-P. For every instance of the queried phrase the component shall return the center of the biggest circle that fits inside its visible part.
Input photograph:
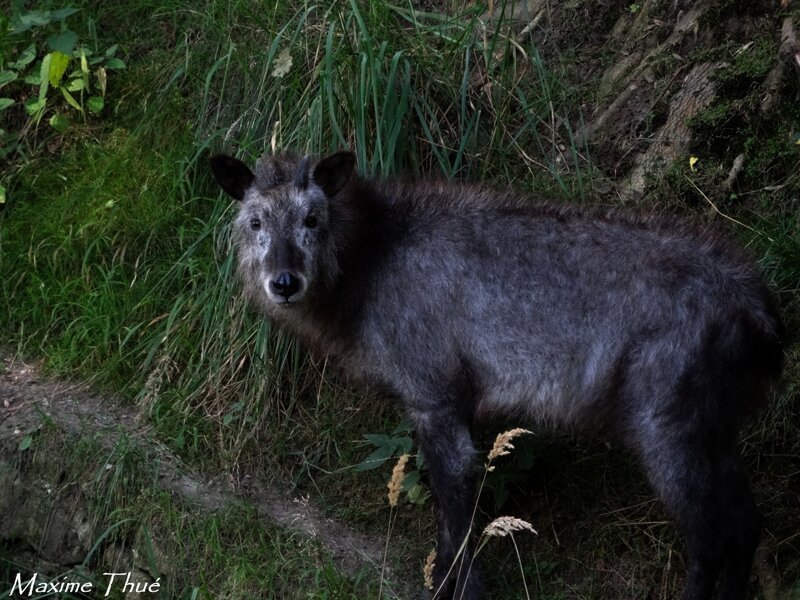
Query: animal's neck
(357, 219)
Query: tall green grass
(135, 284)
(404, 88)
(407, 91)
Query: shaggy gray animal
(467, 303)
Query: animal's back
(544, 306)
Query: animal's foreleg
(449, 454)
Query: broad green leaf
(75, 85)
(405, 444)
(59, 122)
(44, 80)
(58, 66)
(26, 442)
(410, 480)
(34, 105)
(33, 79)
(32, 18)
(63, 42)
(25, 58)
(6, 76)
(112, 50)
(63, 13)
(70, 100)
(6, 102)
(95, 104)
(374, 460)
(2, 194)
(417, 494)
(378, 439)
(115, 63)
(405, 426)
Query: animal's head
(284, 224)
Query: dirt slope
(60, 536)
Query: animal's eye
(255, 223)
(310, 222)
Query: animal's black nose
(284, 285)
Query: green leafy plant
(57, 77)
(66, 67)
(26, 442)
(395, 444)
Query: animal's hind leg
(746, 523)
(699, 478)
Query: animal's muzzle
(285, 285)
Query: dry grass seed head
(396, 482)
(427, 570)
(502, 444)
(502, 526)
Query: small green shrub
(394, 445)
(57, 78)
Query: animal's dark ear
(332, 172)
(232, 174)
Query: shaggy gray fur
(467, 303)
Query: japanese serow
(467, 303)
